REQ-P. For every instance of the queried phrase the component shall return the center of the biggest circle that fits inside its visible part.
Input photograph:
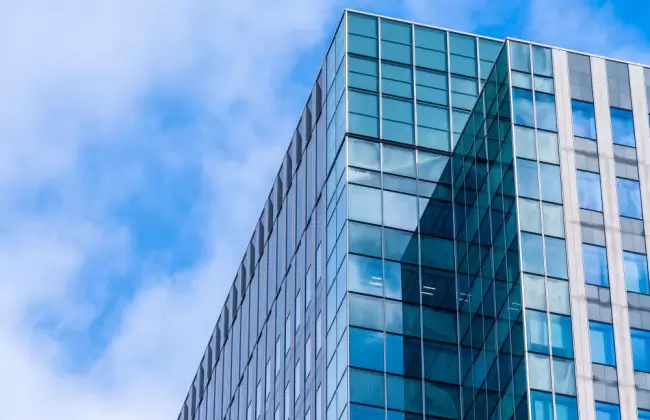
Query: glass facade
(435, 236)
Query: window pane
(430, 38)
(366, 312)
(607, 411)
(565, 376)
(530, 218)
(542, 61)
(553, 220)
(589, 195)
(364, 204)
(365, 239)
(622, 127)
(523, 107)
(403, 355)
(402, 318)
(400, 211)
(520, 56)
(361, 412)
(525, 138)
(366, 275)
(539, 371)
(558, 296)
(556, 265)
(366, 349)
(398, 160)
(535, 292)
(396, 52)
(362, 25)
(433, 167)
(537, 328)
(545, 105)
(541, 405)
(566, 407)
(442, 400)
(396, 31)
(441, 362)
(527, 178)
(629, 198)
(533, 254)
(549, 176)
(439, 325)
(561, 336)
(404, 394)
(548, 148)
(402, 281)
(367, 387)
(400, 246)
(364, 154)
(601, 338)
(641, 350)
(584, 119)
(595, 264)
(636, 272)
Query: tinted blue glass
(607, 412)
(545, 106)
(402, 318)
(523, 107)
(361, 412)
(629, 198)
(366, 312)
(541, 405)
(367, 387)
(533, 255)
(595, 264)
(365, 239)
(561, 336)
(584, 119)
(601, 337)
(622, 127)
(549, 176)
(403, 355)
(442, 401)
(402, 282)
(527, 178)
(403, 393)
(641, 350)
(441, 362)
(636, 272)
(566, 407)
(644, 415)
(362, 25)
(366, 275)
(537, 328)
(366, 349)
(555, 257)
(589, 194)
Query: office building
(456, 232)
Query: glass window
(533, 254)
(462, 45)
(553, 220)
(399, 246)
(439, 325)
(366, 275)
(402, 318)
(549, 176)
(366, 312)
(644, 415)
(607, 411)
(545, 106)
(362, 25)
(398, 160)
(364, 113)
(527, 178)
(561, 336)
(629, 198)
(442, 400)
(396, 31)
(520, 56)
(525, 140)
(433, 167)
(584, 119)
(433, 127)
(397, 117)
(403, 355)
(539, 368)
(542, 61)
(595, 264)
(530, 218)
(564, 376)
(397, 52)
(367, 387)
(361, 412)
(537, 328)
(641, 350)
(364, 204)
(397, 80)
(403, 393)
(441, 362)
(548, 149)
(400, 211)
(363, 73)
(523, 107)
(535, 292)
(363, 154)
(365, 239)
(431, 59)
(431, 87)
(366, 349)
(622, 127)
(556, 265)
(464, 66)
(636, 272)
(558, 296)
(401, 281)
(541, 405)
(432, 39)
(601, 338)
(589, 195)
(566, 407)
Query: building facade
(456, 232)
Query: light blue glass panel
(549, 176)
(561, 336)
(523, 107)
(364, 204)
(622, 127)
(641, 350)
(584, 119)
(607, 411)
(636, 272)
(530, 217)
(396, 31)
(566, 408)
(362, 412)
(403, 393)
(525, 141)
(399, 246)
(520, 56)
(601, 338)
(564, 375)
(363, 45)
(433, 167)
(432, 87)
(553, 220)
(435, 60)
(364, 112)
(367, 387)
(545, 106)
(397, 52)
(400, 211)
(532, 253)
(464, 66)
(433, 116)
(541, 405)
(644, 415)
(397, 80)
(535, 292)
(366, 349)
(462, 45)
(362, 25)
(537, 331)
(542, 61)
(527, 178)
(363, 73)
(595, 264)
(403, 355)
(556, 265)
(365, 239)
(589, 195)
(489, 50)
(366, 275)
(629, 198)
(539, 368)
(366, 312)
(402, 318)
(363, 154)
(432, 39)
(398, 160)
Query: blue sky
(139, 143)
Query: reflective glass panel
(595, 265)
